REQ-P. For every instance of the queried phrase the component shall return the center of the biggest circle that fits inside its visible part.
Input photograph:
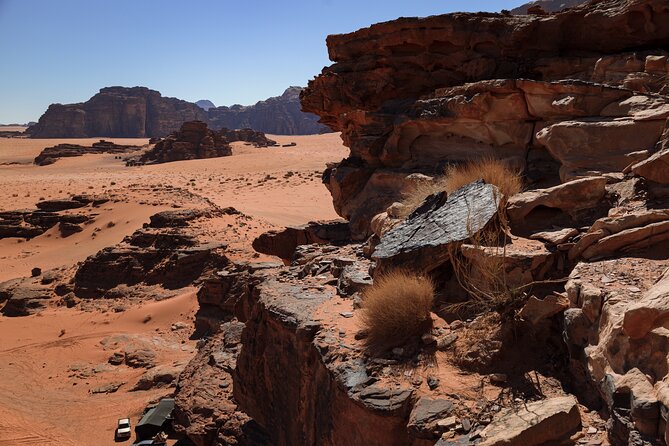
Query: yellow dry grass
(490, 170)
(396, 308)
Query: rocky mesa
(139, 112)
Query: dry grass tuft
(396, 308)
(490, 170)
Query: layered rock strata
(413, 95)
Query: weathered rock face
(422, 242)
(167, 255)
(135, 112)
(615, 330)
(281, 115)
(413, 95)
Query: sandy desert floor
(49, 362)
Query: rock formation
(119, 112)
(205, 104)
(398, 120)
(548, 5)
(195, 140)
(281, 115)
(139, 112)
(51, 154)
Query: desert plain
(51, 363)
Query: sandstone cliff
(139, 112)
(135, 112)
(413, 95)
(281, 115)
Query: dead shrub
(396, 308)
(490, 170)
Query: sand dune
(44, 400)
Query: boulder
(534, 424)
(159, 376)
(422, 241)
(655, 168)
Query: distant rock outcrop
(135, 112)
(138, 112)
(193, 141)
(205, 104)
(548, 5)
(281, 115)
(196, 141)
(51, 154)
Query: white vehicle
(123, 429)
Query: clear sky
(228, 52)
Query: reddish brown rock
(194, 140)
(412, 95)
(281, 115)
(119, 112)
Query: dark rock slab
(425, 414)
(421, 241)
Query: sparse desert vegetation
(396, 308)
(490, 170)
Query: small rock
(398, 351)
(117, 358)
(456, 325)
(178, 326)
(35, 272)
(466, 424)
(432, 382)
(498, 378)
(592, 430)
(346, 314)
(447, 423)
(444, 342)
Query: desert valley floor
(54, 360)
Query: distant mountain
(548, 5)
(139, 112)
(135, 112)
(281, 115)
(205, 104)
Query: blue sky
(229, 52)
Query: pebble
(432, 382)
(592, 430)
(346, 314)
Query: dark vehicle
(155, 420)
